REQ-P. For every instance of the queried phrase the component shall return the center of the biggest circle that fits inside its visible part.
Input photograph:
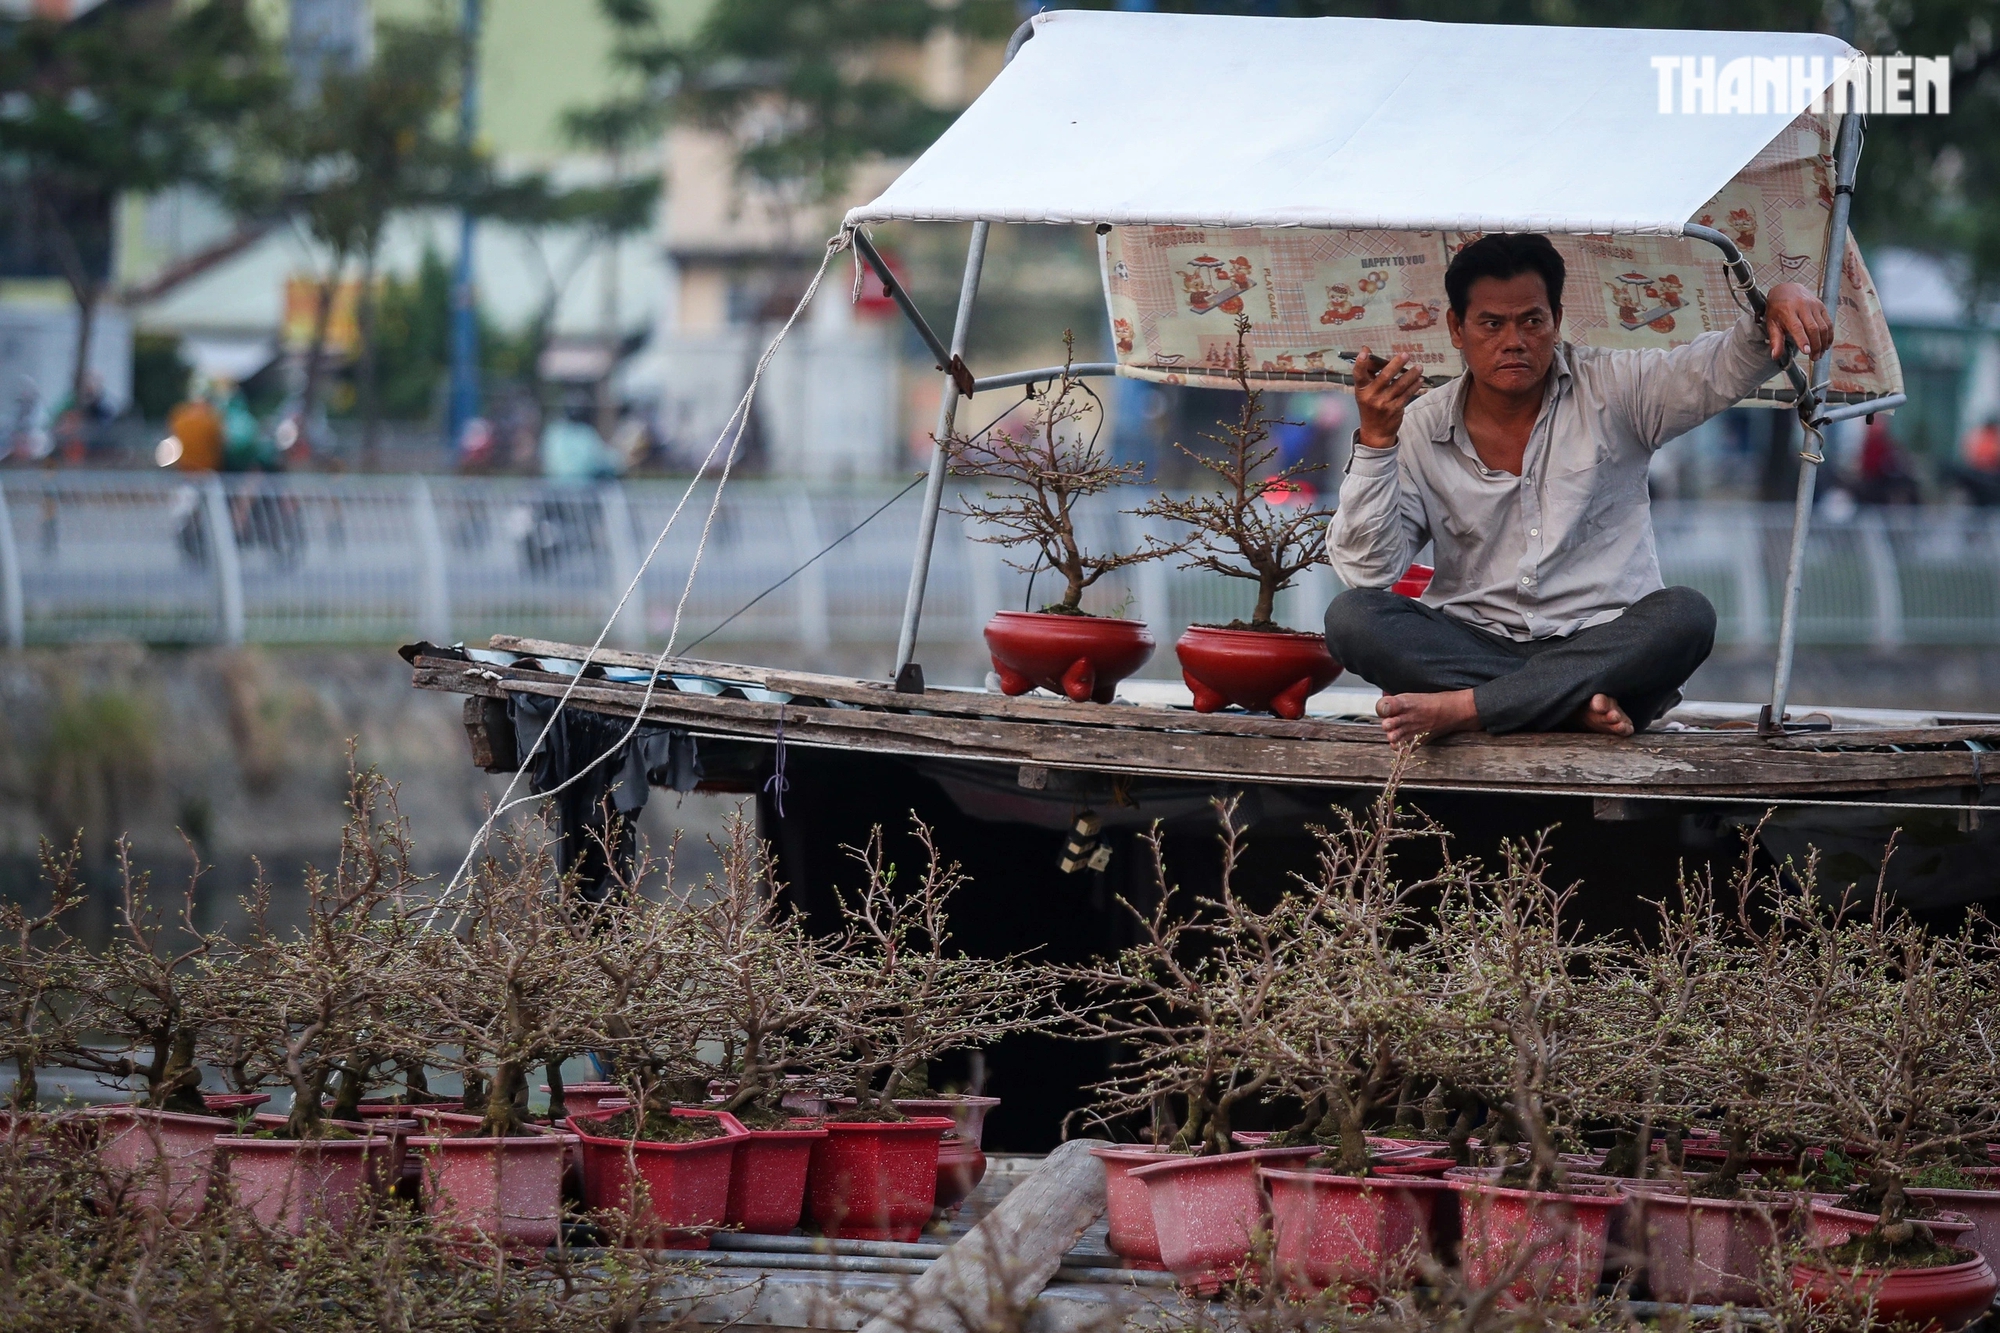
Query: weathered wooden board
(1157, 742)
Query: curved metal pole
(909, 677)
(1846, 156)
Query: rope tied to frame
(778, 784)
(731, 436)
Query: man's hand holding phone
(1381, 391)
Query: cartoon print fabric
(1174, 292)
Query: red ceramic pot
(1083, 657)
(767, 1181)
(1704, 1251)
(677, 1193)
(1833, 1225)
(1981, 1206)
(290, 1183)
(1414, 581)
(1257, 670)
(161, 1160)
(1557, 1241)
(875, 1181)
(506, 1189)
(1208, 1211)
(1921, 1300)
(1364, 1235)
(1128, 1211)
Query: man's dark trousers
(1641, 659)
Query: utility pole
(463, 401)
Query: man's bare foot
(1603, 716)
(1408, 718)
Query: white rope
(732, 434)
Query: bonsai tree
(1356, 998)
(649, 993)
(501, 991)
(1190, 1003)
(38, 965)
(144, 989)
(312, 1008)
(1047, 465)
(1253, 525)
(1888, 1049)
(900, 995)
(1533, 1016)
(770, 976)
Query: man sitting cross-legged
(1528, 473)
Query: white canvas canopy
(1226, 121)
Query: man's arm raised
(1380, 525)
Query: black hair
(1504, 254)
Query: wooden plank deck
(843, 713)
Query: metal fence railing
(321, 559)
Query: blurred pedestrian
(1884, 474)
(1979, 463)
(572, 450)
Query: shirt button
(1534, 532)
(1526, 579)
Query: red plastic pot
(675, 1193)
(1556, 1240)
(767, 1181)
(1360, 1234)
(1128, 1209)
(1257, 670)
(1207, 1212)
(1083, 657)
(1981, 1206)
(162, 1160)
(1704, 1251)
(1922, 1300)
(1414, 581)
(961, 1153)
(289, 1183)
(506, 1189)
(1709, 1151)
(875, 1181)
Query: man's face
(1509, 332)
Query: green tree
(798, 83)
(367, 144)
(130, 99)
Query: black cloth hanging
(598, 810)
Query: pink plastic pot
(1339, 1231)
(1982, 1207)
(1257, 670)
(674, 1193)
(1921, 1300)
(875, 1181)
(588, 1099)
(161, 1160)
(1704, 1251)
(1556, 1241)
(1083, 657)
(290, 1183)
(1207, 1212)
(233, 1103)
(508, 1190)
(767, 1181)
(1128, 1209)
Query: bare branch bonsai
(1250, 526)
(1047, 466)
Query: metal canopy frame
(1807, 389)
